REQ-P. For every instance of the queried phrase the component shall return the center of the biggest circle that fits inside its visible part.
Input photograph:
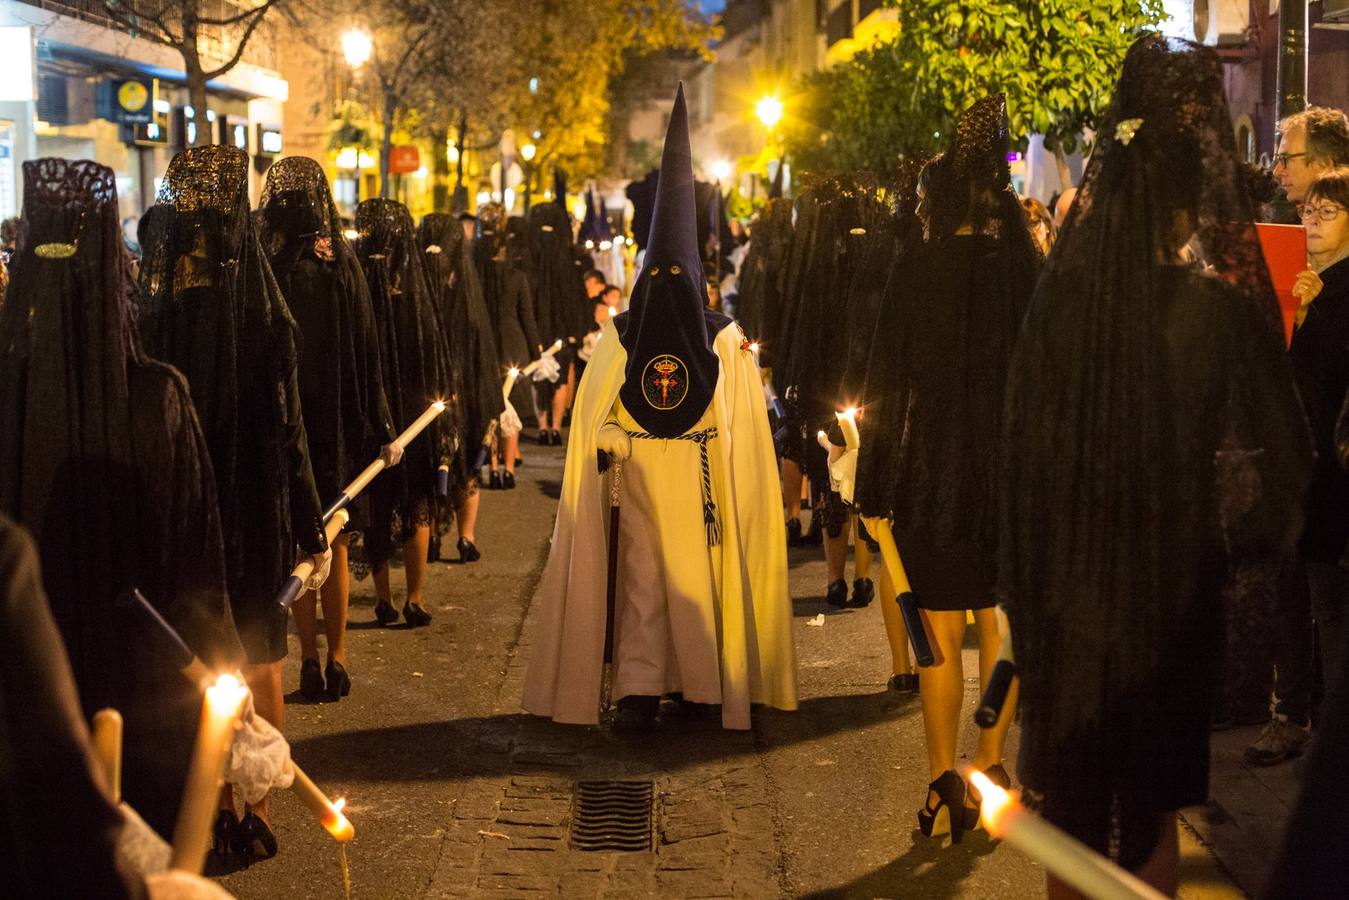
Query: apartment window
(839, 25)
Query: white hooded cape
(758, 663)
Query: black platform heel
(494, 481)
(223, 833)
(557, 438)
(508, 480)
(468, 551)
(385, 614)
(338, 681)
(863, 592)
(948, 816)
(311, 680)
(837, 594)
(254, 839)
(416, 615)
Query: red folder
(1285, 251)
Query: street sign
(404, 159)
(132, 101)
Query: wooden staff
(108, 748)
(611, 586)
(220, 710)
(368, 474)
(1000, 681)
(879, 529)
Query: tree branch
(239, 48)
(235, 20)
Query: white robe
(750, 612)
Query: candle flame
(849, 413)
(754, 347)
(439, 405)
(995, 801)
(226, 692)
(339, 803)
(514, 372)
(613, 311)
(336, 824)
(820, 435)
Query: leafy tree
(191, 27)
(1057, 61)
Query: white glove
(548, 369)
(843, 472)
(322, 562)
(392, 454)
(615, 442)
(259, 758)
(175, 884)
(509, 423)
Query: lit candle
(754, 349)
(368, 474)
(330, 815)
(108, 748)
(847, 421)
(509, 386)
(1069, 859)
(201, 794)
(823, 440)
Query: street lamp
(528, 151)
(769, 110)
(722, 170)
(357, 47)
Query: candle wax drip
(346, 870)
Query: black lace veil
(102, 460)
(561, 309)
(1153, 437)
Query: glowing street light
(357, 47)
(769, 110)
(722, 169)
(528, 151)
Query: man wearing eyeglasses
(1311, 142)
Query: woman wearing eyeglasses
(1321, 364)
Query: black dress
(346, 415)
(468, 331)
(1154, 444)
(103, 461)
(211, 307)
(934, 412)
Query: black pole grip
(166, 638)
(443, 481)
(290, 592)
(995, 695)
(481, 459)
(913, 623)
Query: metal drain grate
(612, 815)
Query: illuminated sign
(269, 140)
(16, 64)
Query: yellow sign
(132, 96)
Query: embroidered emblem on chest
(665, 383)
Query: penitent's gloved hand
(322, 563)
(843, 472)
(614, 441)
(391, 453)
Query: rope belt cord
(710, 523)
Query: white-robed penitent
(702, 607)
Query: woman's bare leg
(336, 593)
(895, 632)
(414, 562)
(306, 621)
(510, 451)
(992, 740)
(836, 552)
(466, 514)
(264, 680)
(791, 489)
(941, 690)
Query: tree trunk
(1065, 174)
(386, 144)
(196, 84)
(440, 168)
(460, 192)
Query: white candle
(329, 814)
(1069, 859)
(108, 747)
(201, 794)
(529, 369)
(847, 422)
(823, 440)
(509, 386)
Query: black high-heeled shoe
(837, 594)
(794, 533)
(508, 480)
(385, 613)
(494, 481)
(996, 774)
(416, 615)
(947, 817)
(223, 832)
(545, 437)
(557, 438)
(468, 551)
(337, 679)
(311, 680)
(254, 839)
(863, 592)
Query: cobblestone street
(455, 793)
